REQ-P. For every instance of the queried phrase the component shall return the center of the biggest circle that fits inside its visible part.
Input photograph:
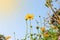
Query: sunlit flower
(29, 16)
(46, 34)
(43, 29)
(8, 37)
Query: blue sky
(15, 21)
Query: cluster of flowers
(53, 33)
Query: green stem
(44, 22)
(26, 30)
(38, 26)
(30, 30)
(14, 36)
(40, 22)
(30, 27)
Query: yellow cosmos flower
(46, 35)
(29, 16)
(8, 37)
(43, 29)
